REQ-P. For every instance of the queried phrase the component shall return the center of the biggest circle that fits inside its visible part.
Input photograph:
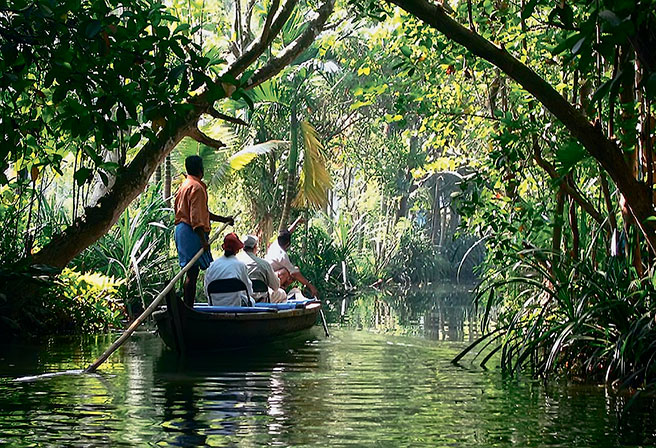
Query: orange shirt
(191, 204)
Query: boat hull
(184, 329)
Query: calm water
(382, 379)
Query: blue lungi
(188, 243)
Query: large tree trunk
(167, 180)
(130, 181)
(610, 157)
(99, 188)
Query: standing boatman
(192, 224)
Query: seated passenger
(259, 271)
(277, 256)
(228, 267)
(284, 277)
(285, 280)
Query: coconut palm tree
(286, 108)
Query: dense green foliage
(585, 319)
(81, 303)
(78, 77)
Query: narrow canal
(382, 379)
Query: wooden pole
(323, 318)
(139, 320)
(323, 321)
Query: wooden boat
(203, 327)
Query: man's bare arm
(218, 218)
(305, 282)
(295, 224)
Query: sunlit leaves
(242, 158)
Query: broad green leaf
(181, 27)
(93, 28)
(82, 175)
(528, 9)
(570, 154)
(567, 43)
(610, 17)
(577, 46)
(242, 158)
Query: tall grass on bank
(588, 320)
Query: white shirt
(224, 268)
(278, 258)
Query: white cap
(250, 241)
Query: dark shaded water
(371, 387)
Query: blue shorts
(188, 244)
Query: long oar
(139, 320)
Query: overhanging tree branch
(132, 179)
(593, 140)
(272, 27)
(221, 116)
(249, 15)
(293, 50)
(266, 29)
(205, 139)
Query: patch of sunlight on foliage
(84, 302)
(242, 158)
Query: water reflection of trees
(231, 397)
(445, 312)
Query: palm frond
(293, 27)
(222, 172)
(268, 92)
(314, 180)
(242, 158)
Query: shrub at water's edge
(70, 302)
(87, 298)
(138, 250)
(83, 303)
(350, 256)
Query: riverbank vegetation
(505, 142)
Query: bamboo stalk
(139, 320)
